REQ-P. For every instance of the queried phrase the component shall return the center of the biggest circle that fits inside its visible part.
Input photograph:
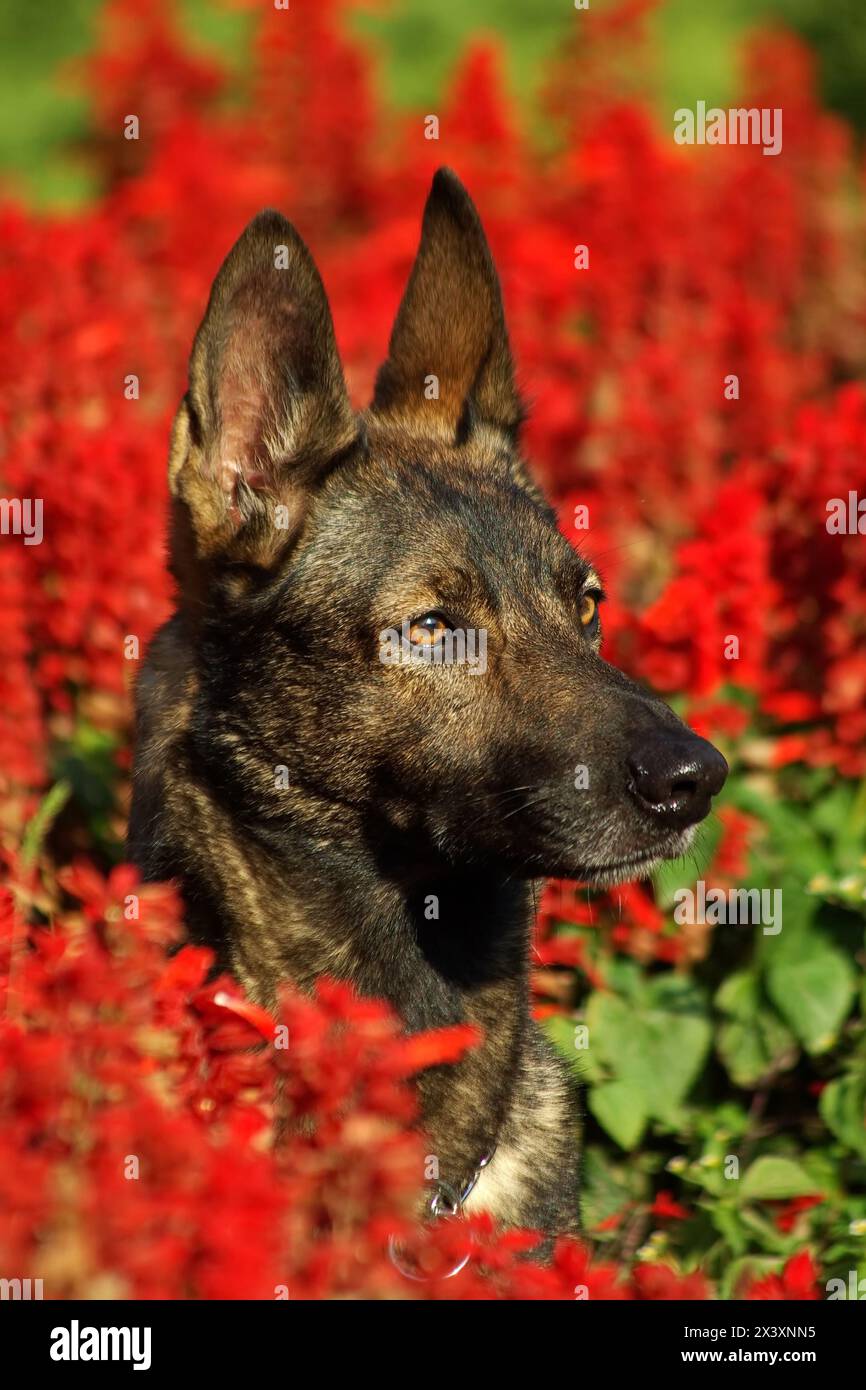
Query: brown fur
(301, 532)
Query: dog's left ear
(266, 414)
(449, 361)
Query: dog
(340, 784)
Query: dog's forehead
(429, 509)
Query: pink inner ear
(243, 404)
(230, 470)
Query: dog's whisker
(525, 807)
(511, 791)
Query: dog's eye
(588, 610)
(427, 630)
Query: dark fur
(405, 782)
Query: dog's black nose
(675, 774)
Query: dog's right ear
(449, 360)
(266, 413)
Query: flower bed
(707, 514)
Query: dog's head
(383, 604)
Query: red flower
(658, 1282)
(796, 1282)
(786, 1216)
(706, 510)
(665, 1206)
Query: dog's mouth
(640, 864)
(608, 875)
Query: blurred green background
(43, 116)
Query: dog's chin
(640, 863)
(609, 875)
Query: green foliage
(43, 102)
(85, 796)
(739, 1085)
(752, 1041)
(649, 1045)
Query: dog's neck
(449, 949)
(354, 904)
(320, 892)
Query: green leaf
(655, 1043)
(797, 922)
(40, 825)
(562, 1033)
(619, 1109)
(774, 1179)
(739, 995)
(754, 1043)
(756, 1049)
(843, 1110)
(812, 986)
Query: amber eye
(588, 610)
(428, 630)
